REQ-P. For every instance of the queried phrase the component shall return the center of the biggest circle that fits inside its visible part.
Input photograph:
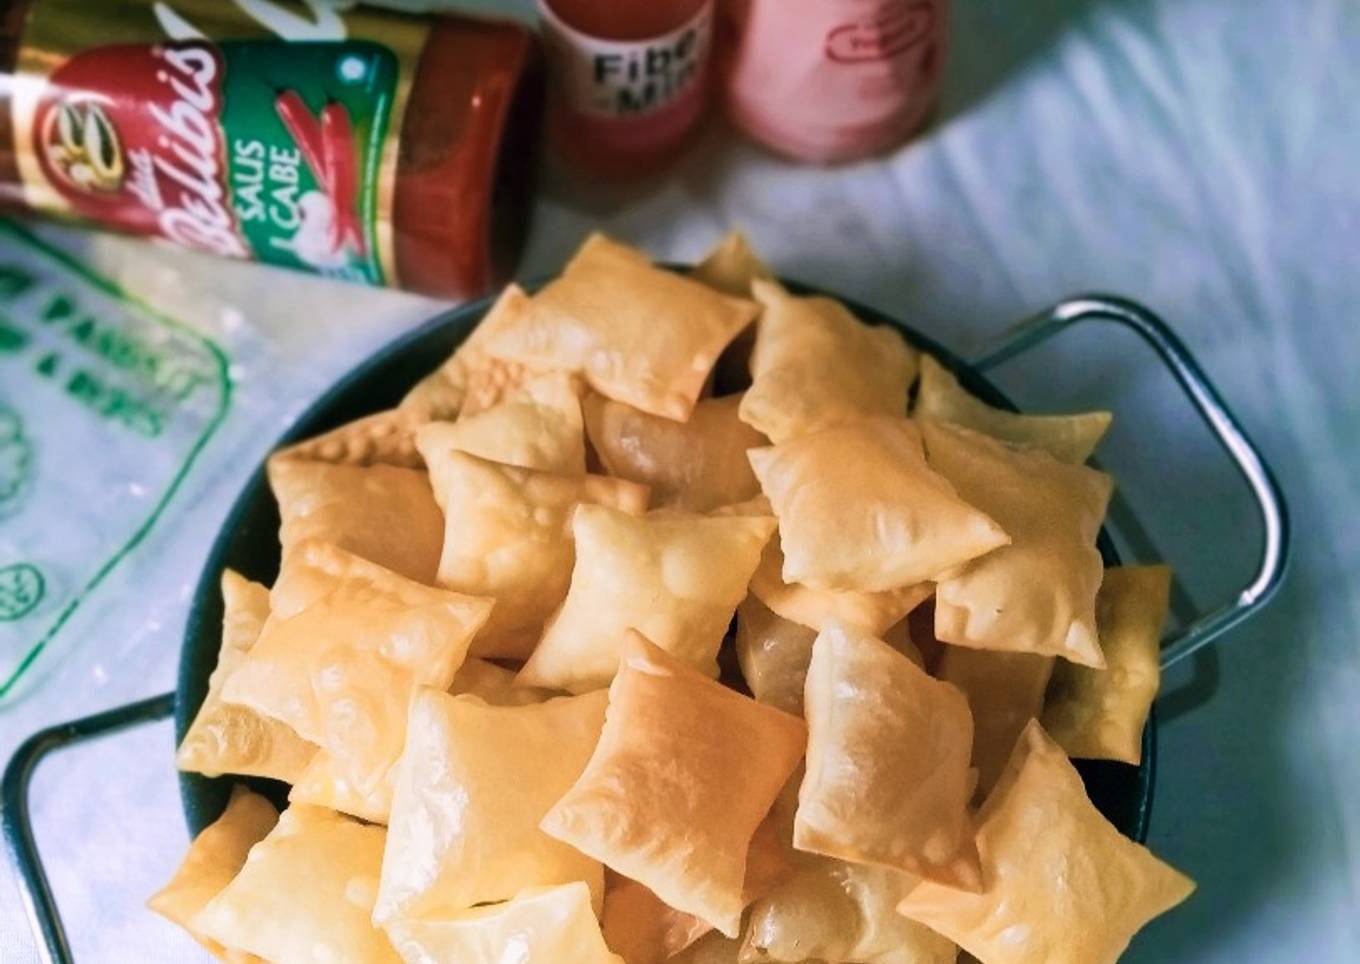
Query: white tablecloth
(1199, 155)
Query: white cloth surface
(1198, 155)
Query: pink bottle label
(842, 79)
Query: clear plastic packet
(125, 432)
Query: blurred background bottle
(629, 81)
(833, 80)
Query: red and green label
(243, 145)
(305, 140)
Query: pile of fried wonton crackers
(489, 666)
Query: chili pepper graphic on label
(342, 173)
(328, 149)
(305, 130)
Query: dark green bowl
(249, 544)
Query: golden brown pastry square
(684, 773)
(875, 612)
(1063, 885)
(463, 383)
(324, 782)
(509, 536)
(731, 266)
(835, 910)
(637, 333)
(227, 738)
(384, 438)
(548, 924)
(1100, 714)
(774, 653)
(1005, 691)
(1068, 438)
(693, 466)
(859, 510)
(888, 778)
(305, 894)
(536, 426)
(473, 783)
(346, 645)
(675, 578)
(1037, 594)
(381, 513)
(815, 364)
(214, 859)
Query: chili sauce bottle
(359, 145)
(628, 82)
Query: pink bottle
(834, 80)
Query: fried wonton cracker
(381, 513)
(324, 783)
(495, 684)
(860, 510)
(732, 266)
(642, 928)
(1004, 691)
(384, 438)
(541, 925)
(774, 653)
(874, 612)
(638, 334)
(1063, 885)
(1037, 594)
(225, 738)
(509, 536)
(684, 773)
(215, 857)
(712, 949)
(447, 391)
(305, 893)
(888, 777)
(694, 466)
(1100, 715)
(646, 930)
(677, 579)
(473, 783)
(347, 643)
(834, 910)
(1068, 438)
(537, 426)
(816, 364)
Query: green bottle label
(305, 128)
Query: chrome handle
(39, 902)
(1204, 397)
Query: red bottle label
(131, 137)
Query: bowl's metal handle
(18, 824)
(1204, 397)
